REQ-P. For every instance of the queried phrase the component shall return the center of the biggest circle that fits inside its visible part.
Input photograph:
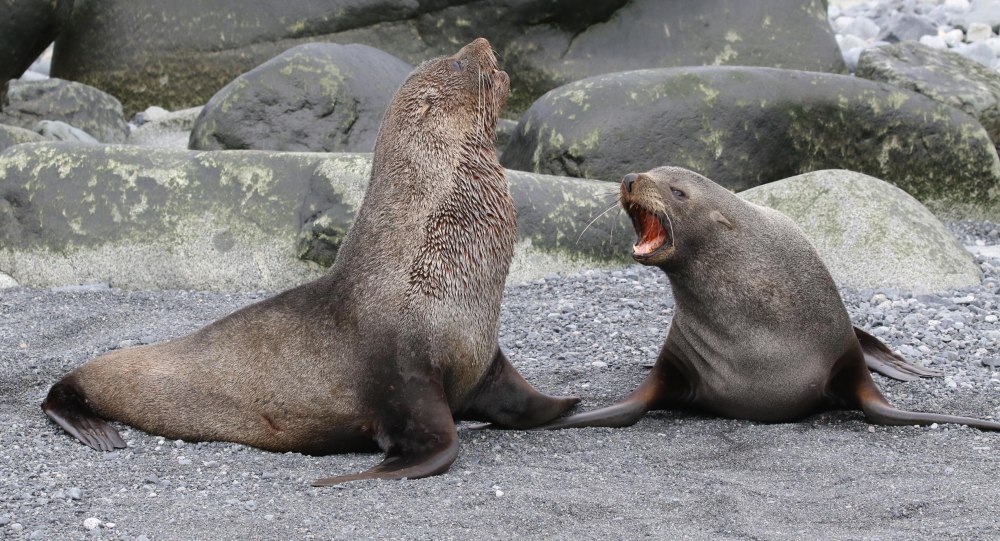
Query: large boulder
(744, 126)
(869, 233)
(26, 29)
(178, 54)
(943, 76)
(146, 218)
(12, 135)
(320, 97)
(81, 106)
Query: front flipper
(416, 430)
(883, 360)
(664, 386)
(66, 406)
(507, 400)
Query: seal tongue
(653, 234)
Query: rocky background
(159, 148)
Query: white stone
(957, 6)
(980, 52)
(850, 41)
(91, 523)
(994, 44)
(954, 37)
(863, 27)
(978, 32)
(934, 42)
(6, 281)
(842, 22)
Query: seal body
(759, 331)
(387, 349)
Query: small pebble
(91, 523)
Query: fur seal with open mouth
(759, 330)
(396, 342)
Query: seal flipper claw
(883, 360)
(507, 400)
(65, 405)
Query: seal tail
(879, 411)
(883, 360)
(66, 405)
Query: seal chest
(391, 346)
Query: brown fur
(760, 331)
(397, 338)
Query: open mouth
(654, 231)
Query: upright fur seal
(759, 330)
(390, 347)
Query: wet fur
(386, 348)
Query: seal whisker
(598, 217)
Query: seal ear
(427, 98)
(719, 217)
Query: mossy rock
(943, 76)
(743, 127)
(871, 234)
(143, 218)
(179, 54)
(320, 97)
(81, 106)
(12, 135)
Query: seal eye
(456, 65)
(677, 193)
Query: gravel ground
(673, 475)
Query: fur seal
(741, 343)
(389, 348)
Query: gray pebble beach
(674, 475)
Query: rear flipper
(506, 400)
(66, 406)
(881, 359)
(663, 387)
(417, 432)
(878, 410)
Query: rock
(852, 42)
(12, 135)
(91, 523)
(26, 29)
(147, 52)
(743, 127)
(980, 11)
(320, 97)
(160, 128)
(907, 26)
(943, 76)
(954, 37)
(934, 42)
(871, 234)
(6, 282)
(980, 52)
(238, 221)
(978, 32)
(862, 27)
(505, 130)
(61, 131)
(78, 105)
